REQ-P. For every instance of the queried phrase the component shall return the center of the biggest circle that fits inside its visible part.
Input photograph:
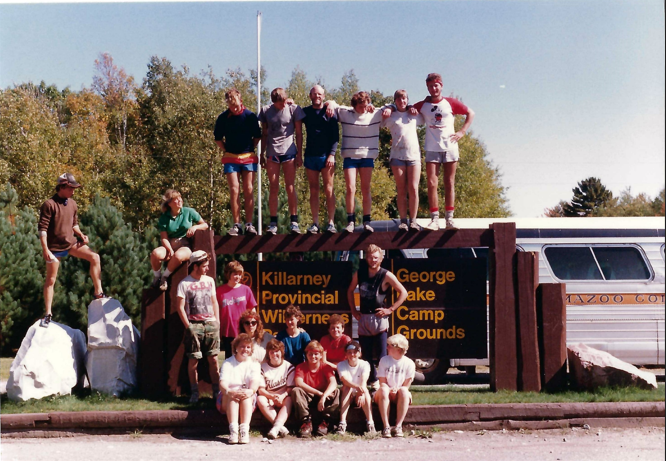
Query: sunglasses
(250, 322)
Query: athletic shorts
(281, 158)
(315, 163)
(239, 167)
(371, 325)
(60, 254)
(358, 163)
(202, 338)
(399, 162)
(441, 157)
(180, 243)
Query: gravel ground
(570, 444)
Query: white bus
(614, 274)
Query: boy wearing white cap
(354, 374)
(200, 313)
(58, 223)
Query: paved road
(565, 445)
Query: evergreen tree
(589, 196)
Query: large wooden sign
(444, 315)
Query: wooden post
(529, 370)
(152, 346)
(176, 361)
(503, 348)
(552, 322)
(203, 240)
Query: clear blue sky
(562, 90)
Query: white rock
(591, 368)
(50, 361)
(113, 347)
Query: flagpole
(259, 203)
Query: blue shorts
(281, 158)
(239, 167)
(315, 163)
(58, 255)
(358, 163)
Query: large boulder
(591, 368)
(51, 361)
(113, 348)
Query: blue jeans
(369, 344)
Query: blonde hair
(398, 341)
(241, 339)
(372, 248)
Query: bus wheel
(433, 370)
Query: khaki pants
(305, 405)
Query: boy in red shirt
(316, 392)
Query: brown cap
(67, 179)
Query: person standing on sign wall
(373, 283)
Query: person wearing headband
(58, 231)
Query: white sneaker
(386, 432)
(397, 431)
(233, 434)
(350, 227)
(367, 227)
(433, 225)
(342, 428)
(244, 433)
(450, 224)
(370, 428)
(274, 433)
(403, 227)
(283, 431)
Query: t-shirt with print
(176, 226)
(404, 137)
(396, 371)
(335, 348)
(235, 374)
(318, 379)
(277, 379)
(439, 121)
(198, 295)
(294, 348)
(233, 302)
(356, 375)
(280, 128)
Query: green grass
(422, 395)
(5, 363)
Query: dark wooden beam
(289, 243)
(552, 321)
(529, 371)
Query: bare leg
(273, 173)
(267, 410)
(289, 171)
(366, 179)
(345, 403)
(156, 258)
(327, 175)
(231, 407)
(402, 405)
(367, 405)
(400, 175)
(432, 173)
(49, 284)
(181, 255)
(192, 371)
(413, 176)
(214, 371)
(313, 181)
(246, 410)
(449, 183)
(248, 194)
(382, 399)
(284, 412)
(350, 179)
(234, 196)
(84, 252)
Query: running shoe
(272, 228)
(313, 229)
(433, 225)
(249, 229)
(350, 227)
(46, 321)
(367, 227)
(293, 228)
(450, 224)
(403, 227)
(331, 228)
(414, 226)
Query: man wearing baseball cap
(200, 314)
(58, 228)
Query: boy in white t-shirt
(396, 373)
(354, 374)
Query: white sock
(244, 426)
(233, 427)
(434, 215)
(449, 214)
(157, 273)
(166, 273)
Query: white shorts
(442, 157)
(371, 325)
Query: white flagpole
(259, 203)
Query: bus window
(621, 263)
(572, 263)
